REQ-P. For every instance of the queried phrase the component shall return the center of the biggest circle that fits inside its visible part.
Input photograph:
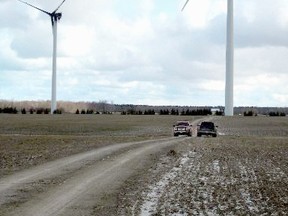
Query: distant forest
(105, 107)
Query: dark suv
(207, 128)
(182, 128)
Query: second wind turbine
(229, 88)
(55, 17)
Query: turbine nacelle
(57, 16)
(54, 16)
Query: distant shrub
(149, 112)
(174, 112)
(40, 111)
(46, 111)
(198, 112)
(9, 110)
(23, 111)
(164, 112)
(77, 112)
(273, 114)
(89, 111)
(43, 111)
(57, 111)
(219, 113)
(107, 113)
(129, 112)
(248, 113)
(31, 110)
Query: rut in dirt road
(57, 167)
(88, 175)
(12, 183)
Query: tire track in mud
(87, 175)
(54, 167)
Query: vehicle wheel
(189, 134)
(214, 135)
(175, 135)
(198, 135)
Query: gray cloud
(108, 51)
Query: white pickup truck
(182, 128)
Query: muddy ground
(241, 172)
(244, 171)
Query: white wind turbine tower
(55, 17)
(229, 110)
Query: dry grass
(254, 126)
(27, 140)
(236, 176)
(244, 172)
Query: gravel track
(77, 178)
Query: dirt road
(74, 185)
(237, 173)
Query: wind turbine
(55, 17)
(229, 110)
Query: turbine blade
(59, 6)
(35, 7)
(185, 5)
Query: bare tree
(102, 106)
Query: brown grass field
(28, 140)
(244, 171)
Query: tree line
(188, 112)
(272, 114)
(133, 111)
(13, 110)
(106, 107)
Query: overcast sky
(145, 51)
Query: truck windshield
(182, 124)
(209, 125)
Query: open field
(244, 171)
(28, 140)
